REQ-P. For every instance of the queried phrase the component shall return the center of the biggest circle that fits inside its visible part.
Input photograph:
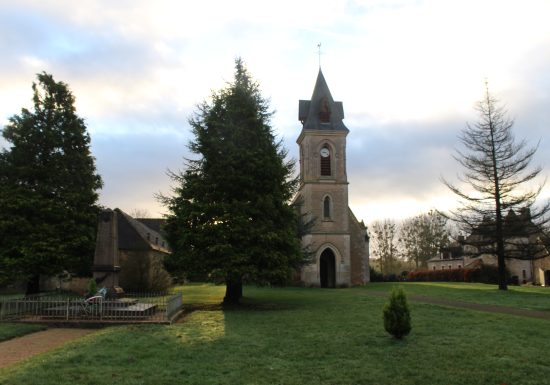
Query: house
(526, 248)
(130, 252)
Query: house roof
(154, 224)
(135, 235)
(514, 225)
(321, 112)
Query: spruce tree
(229, 217)
(397, 317)
(48, 193)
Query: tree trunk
(233, 291)
(33, 285)
(502, 283)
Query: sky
(409, 74)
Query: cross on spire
(319, 53)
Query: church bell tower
(338, 241)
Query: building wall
(359, 253)
(143, 270)
(541, 269)
(75, 284)
(445, 264)
(526, 270)
(332, 232)
(310, 143)
(521, 268)
(340, 245)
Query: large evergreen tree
(230, 219)
(48, 189)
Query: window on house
(450, 267)
(434, 267)
(460, 266)
(156, 240)
(148, 236)
(326, 208)
(442, 267)
(325, 161)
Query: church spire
(321, 112)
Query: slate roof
(321, 112)
(135, 235)
(153, 223)
(514, 225)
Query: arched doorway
(327, 266)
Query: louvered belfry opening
(325, 164)
(326, 208)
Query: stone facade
(130, 253)
(337, 239)
(527, 256)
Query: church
(338, 242)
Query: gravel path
(20, 348)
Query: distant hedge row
(482, 274)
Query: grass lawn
(12, 330)
(304, 336)
(524, 297)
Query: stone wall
(359, 253)
(143, 270)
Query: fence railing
(133, 307)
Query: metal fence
(132, 308)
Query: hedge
(482, 274)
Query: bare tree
(499, 178)
(140, 213)
(384, 243)
(421, 237)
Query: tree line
(497, 202)
(409, 244)
(230, 218)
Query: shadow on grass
(318, 337)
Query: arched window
(325, 161)
(326, 207)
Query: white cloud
(408, 73)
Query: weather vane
(319, 53)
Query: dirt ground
(20, 348)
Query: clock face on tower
(325, 152)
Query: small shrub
(397, 317)
(92, 287)
(376, 276)
(392, 277)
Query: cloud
(408, 74)
(134, 167)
